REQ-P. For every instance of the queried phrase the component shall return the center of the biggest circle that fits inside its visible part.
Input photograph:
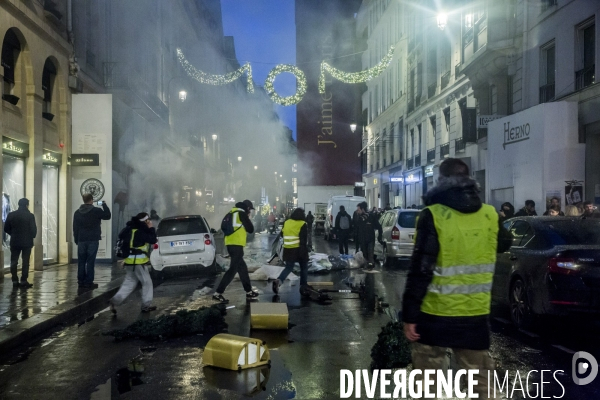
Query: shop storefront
(414, 187)
(14, 155)
(373, 194)
(396, 187)
(51, 164)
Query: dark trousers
(356, 243)
(25, 253)
(237, 265)
(343, 237)
(368, 249)
(289, 267)
(86, 258)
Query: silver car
(398, 235)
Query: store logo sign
(11, 147)
(397, 179)
(429, 170)
(85, 160)
(515, 134)
(48, 157)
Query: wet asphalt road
(78, 362)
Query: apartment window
(546, 4)
(412, 142)
(392, 142)
(411, 91)
(547, 72)
(509, 94)
(11, 48)
(384, 147)
(586, 57)
(447, 119)
(493, 99)
(376, 101)
(48, 78)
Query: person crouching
(139, 235)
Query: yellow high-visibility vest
(291, 233)
(238, 237)
(138, 259)
(462, 279)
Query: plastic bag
(360, 259)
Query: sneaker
(252, 294)
(26, 285)
(15, 284)
(219, 297)
(148, 309)
(276, 284)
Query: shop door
(13, 189)
(50, 213)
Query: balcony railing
(431, 155)
(445, 80)
(585, 77)
(459, 145)
(418, 160)
(431, 90)
(547, 93)
(409, 163)
(444, 150)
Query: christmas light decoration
(300, 85)
(355, 77)
(211, 79)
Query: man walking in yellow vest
(446, 302)
(295, 249)
(235, 243)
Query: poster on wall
(574, 193)
(554, 194)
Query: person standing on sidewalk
(367, 222)
(343, 227)
(235, 247)
(295, 249)
(87, 234)
(446, 302)
(20, 225)
(138, 235)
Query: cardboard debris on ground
(320, 283)
(269, 272)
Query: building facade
(35, 122)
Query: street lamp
(352, 127)
(442, 20)
(215, 136)
(240, 159)
(275, 172)
(256, 167)
(182, 95)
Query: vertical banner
(469, 120)
(92, 139)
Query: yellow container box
(269, 316)
(235, 352)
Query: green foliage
(206, 320)
(392, 349)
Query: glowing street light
(240, 158)
(275, 172)
(256, 167)
(215, 136)
(182, 95)
(281, 176)
(442, 20)
(352, 127)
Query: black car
(553, 267)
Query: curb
(27, 330)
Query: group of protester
(588, 210)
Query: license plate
(181, 243)
(411, 236)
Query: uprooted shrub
(392, 349)
(208, 321)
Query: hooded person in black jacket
(20, 225)
(432, 334)
(87, 235)
(366, 224)
(343, 229)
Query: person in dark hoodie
(137, 235)
(343, 227)
(446, 301)
(87, 235)
(20, 225)
(507, 211)
(367, 222)
(295, 249)
(235, 247)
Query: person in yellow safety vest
(235, 247)
(446, 302)
(295, 249)
(138, 234)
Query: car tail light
(395, 233)
(564, 266)
(155, 246)
(207, 240)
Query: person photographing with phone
(87, 234)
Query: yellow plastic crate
(269, 316)
(235, 352)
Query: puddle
(125, 379)
(88, 319)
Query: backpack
(344, 222)
(227, 224)
(122, 249)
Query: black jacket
(86, 222)
(460, 194)
(337, 221)
(20, 225)
(366, 224)
(142, 236)
(310, 219)
(523, 213)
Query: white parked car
(184, 242)
(398, 235)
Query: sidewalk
(54, 299)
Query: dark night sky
(265, 35)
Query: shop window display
(50, 213)
(13, 189)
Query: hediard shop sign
(515, 134)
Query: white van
(333, 207)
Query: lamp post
(214, 138)
(442, 20)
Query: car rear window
(407, 219)
(183, 226)
(572, 232)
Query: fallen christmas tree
(392, 349)
(208, 321)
